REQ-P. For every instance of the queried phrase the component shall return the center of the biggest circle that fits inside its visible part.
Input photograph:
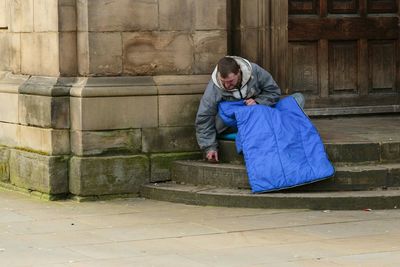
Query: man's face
(231, 81)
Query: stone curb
(207, 195)
(338, 152)
(347, 178)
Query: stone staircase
(365, 151)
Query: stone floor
(139, 232)
(383, 128)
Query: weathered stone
(46, 86)
(176, 15)
(67, 19)
(44, 140)
(46, 174)
(21, 15)
(181, 84)
(122, 15)
(390, 151)
(82, 23)
(152, 53)
(83, 53)
(161, 164)
(352, 152)
(210, 14)
(178, 110)
(5, 53)
(203, 173)
(10, 83)
(68, 54)
(394, 177)
(84, 143)
(169, 139)
(45, 17)
(40, 53)
(360, 178)
(4, 13)
(15, 52)
(8, 134)
(9, 107)
(107, 175)
(105, 53)
(114, 86)
(210, 46)
(4, 165)
(108, 113)
(44, 111)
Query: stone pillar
(98, 97)
(259, 33)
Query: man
(233, 78)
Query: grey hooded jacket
(257, 83)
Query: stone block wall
(112, 38)
(150, 37)
(95, 135)
(34, 133)
(38, 37)
(98, 97)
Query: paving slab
(140, 232)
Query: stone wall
(98, 97)
(95, 135)
(150, 37)
(111, 38)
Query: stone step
(338, 152)
(347, 178)
(215, 196)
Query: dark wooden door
(344, 53)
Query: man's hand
(250, 102)
(212, 156)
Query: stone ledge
(10, 83)
(140, 85)
(47, 86)
(210, 195)
(114, 86)
(103, 86)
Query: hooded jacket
(256, 83)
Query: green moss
(32, 193)
(102, 197)
(164, 160)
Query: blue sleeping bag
(281, 146)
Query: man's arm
(205, 121)
(270, 91)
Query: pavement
(140, 232)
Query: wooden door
(344, 53)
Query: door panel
(344, 52)
(342, 66)
(304, 77)
(382, 67)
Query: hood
(245, 67)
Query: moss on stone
(161, 163)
